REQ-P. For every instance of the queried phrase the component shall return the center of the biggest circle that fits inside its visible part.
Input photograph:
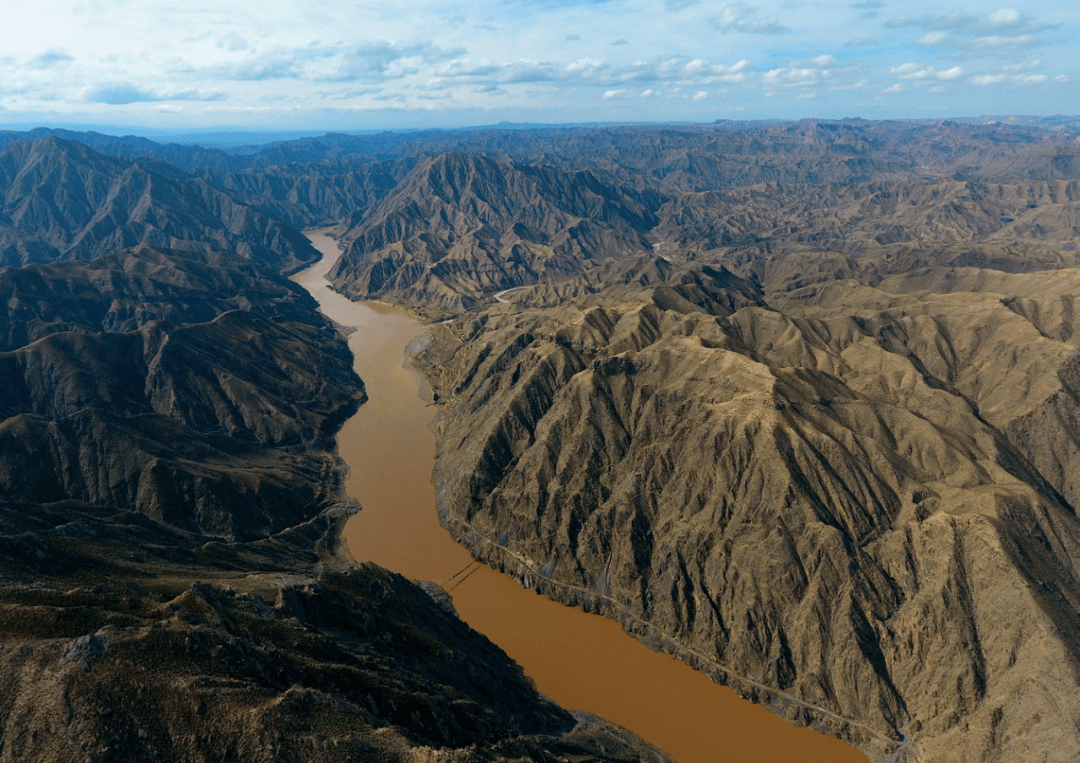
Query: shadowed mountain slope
(125, 290)
(126, 638)
(139, 384)
(63, 201)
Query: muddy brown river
(582, 661)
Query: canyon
(792, 402)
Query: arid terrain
(796, 402)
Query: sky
(349, 65)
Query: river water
(582, 661)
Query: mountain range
(794, 402)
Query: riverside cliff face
(858, 511)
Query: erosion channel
(582, 661)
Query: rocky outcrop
(858, 510)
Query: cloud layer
(341, 64)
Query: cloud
(587, 71)
(996, 78)
(119, 94)
(731, 15)
(861, 42)
(987, 79)
(618, 94)
(619, 41)
(366, 61)
(678, 5)
(869, 8)
(50, 60)
(737, 17)
(914, 71)
(931, 39)
(700, 95)
(1004, 33)
(233, 42)
(383, 59)
(1005, 22)
(820, 72)
(573, 37)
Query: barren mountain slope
(856, 218)
(63, 201)
(459, 227)
(171, 580)
(123, 638)
(127, 289)
(860, 512)
(216, 420)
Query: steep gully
(582, 661)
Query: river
(582, 661)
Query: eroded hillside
(796, 402)
(863, 502)
(172, 582)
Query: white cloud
(737, 17)
(668, 70)
(344, 55)
(1003, 23)
(932, 38)
(1006, 17)
(914, 71)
